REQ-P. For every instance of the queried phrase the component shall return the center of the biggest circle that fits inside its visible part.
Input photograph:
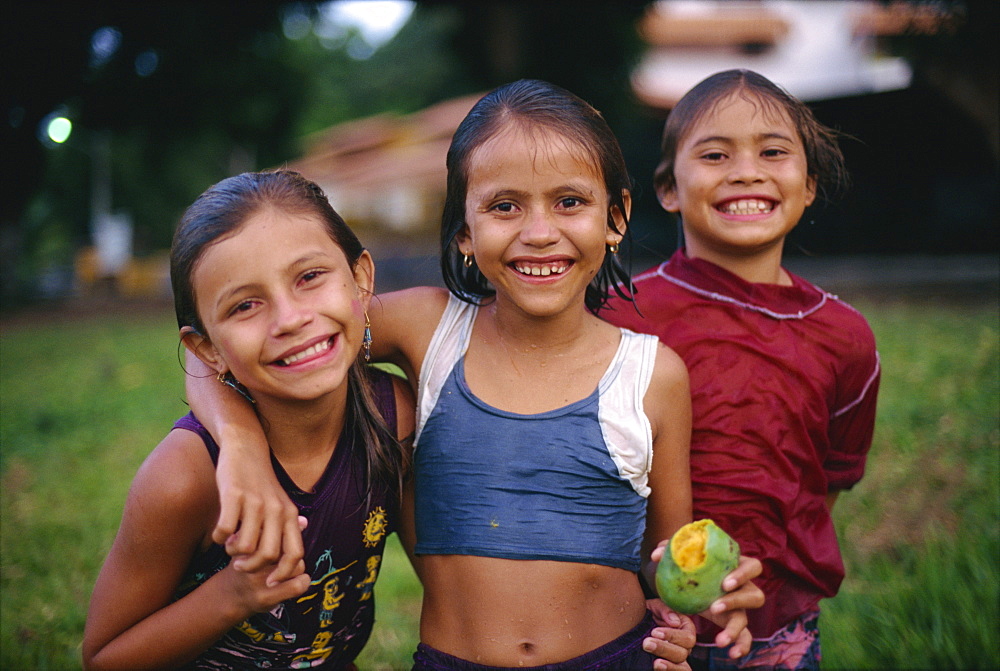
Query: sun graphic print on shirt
(375, 527)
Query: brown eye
(241, 307)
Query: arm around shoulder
(402, 325)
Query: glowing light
(378, 20)
(104, 44)
(59, 129)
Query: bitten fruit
(699, 556)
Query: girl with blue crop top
(551, 456)
(290, 327)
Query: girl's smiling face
(536, 219)
(741, 179)
(282, 308)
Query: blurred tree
(586, 46)
(181, 93)
(415, 69)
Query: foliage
(920, 533)
(230, 92)
(413, 70)
(84, 402)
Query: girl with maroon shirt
(784, 376)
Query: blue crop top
(567, 485)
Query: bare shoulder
(176, 483)
(669, 370)
(668, 399)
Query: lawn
(82, 401)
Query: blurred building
(816, 50)
(386, 174)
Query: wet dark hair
(533, 105)
(220, 212)
(824, 160)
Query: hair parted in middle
(533, 105)
(824, 159)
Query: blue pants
(625, 653)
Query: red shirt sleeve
(852, 425)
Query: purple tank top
(330, 623)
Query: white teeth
(310, 351)
(540, 271)
(747, 206)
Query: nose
(539, 230)
(290, 314)
(745, 168)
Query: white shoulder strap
(448, 344)
(627, 431)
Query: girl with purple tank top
(289, 332)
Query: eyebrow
(568, 187)
(729, 140)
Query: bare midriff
(504, 612)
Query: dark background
(232, 92)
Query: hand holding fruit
(701, 571)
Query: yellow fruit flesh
(688, 545)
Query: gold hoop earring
(366, 343)
(469, 260)
(613, 248)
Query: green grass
(82, 403)
(920, 534)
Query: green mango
(699, 556)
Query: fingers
(748, 569)
(279, 536)
(287, 589)
(245, 540)
(229, 518)
(292, 551)
(747, 597)
(735, 625)
(742, 646)
(665, 665)
(672, 640)
(670, 644)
